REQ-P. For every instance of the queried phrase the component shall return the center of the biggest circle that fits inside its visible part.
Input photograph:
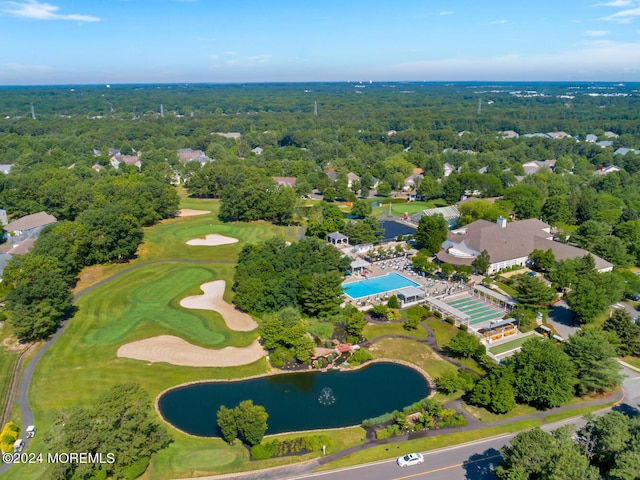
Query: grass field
(142, 303)
(511, 345)
(373, 330)
(413, 352)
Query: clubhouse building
(508, 244)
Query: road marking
(420, 474)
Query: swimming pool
(374, 286)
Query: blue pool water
(374, 286)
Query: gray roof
(6, 168)
(28, 222)
(337, 236)
(360, 263)
(407, 292)
(515, 240)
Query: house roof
(285, 181)
(28, 222)
(6, 168)
(235, 135)
(352, 177)
(562, 251)
(515, 240)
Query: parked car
(410, 459)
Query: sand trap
(212, 240)
(176, 351)
(189, 212)
(212, 300)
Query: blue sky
(167, 41)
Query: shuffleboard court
(374, 286)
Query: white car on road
(410, 459)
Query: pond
(298, 401)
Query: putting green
(145, 301)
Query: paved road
(472, 461)
(25, 379)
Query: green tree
(543, 260)
(361, 208)
(544, 375)
(588, 298)
(495, 391)
(533, 292)
(383, 189)
(464, 345)
(482, 262)
(594, 358)
(118, 422)
(227, 424)
(527, 200)
(251, 421)
(431, 233)
(535, 454)
(320, 293)
(626, 332)
(447, 269)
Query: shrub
(411, 324)
(360, 356)
(464, 327)
(385, 417)
(8, 436)
(450, 320)
(261, 452)
(393, 302)
(437, 314)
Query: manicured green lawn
(413, 352)
(511, 345)
(373, 330)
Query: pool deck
(431, 287)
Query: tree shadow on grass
(482, 465)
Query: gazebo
(336, 238)
(357, 266)
(410, 294)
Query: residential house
(21, 234)
(234, 135)
(118, 159)
(352, 177)
(624, 151)
(448, 169)
(601, 171)
(285, 181)
(610, 134)
(537, 165)
(186, 155)
(508, 244)
(509, 134)
(558, 135)
(6, 168)
(257, 150)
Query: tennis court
(478, 312)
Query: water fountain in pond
(326, 396)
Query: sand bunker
(176, 351)
(212, 240)
(189, 212)
(212, 300)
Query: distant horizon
(74, 42)
(328, 82)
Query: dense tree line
(100, 221)
(544, 374)
(605, 448)
(120, 424)
(272, 275)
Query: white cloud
(596, 33)
(615, 3)
(623, 16)
(601, 60)
(42, 11)
(498, 22)
(447, 12)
